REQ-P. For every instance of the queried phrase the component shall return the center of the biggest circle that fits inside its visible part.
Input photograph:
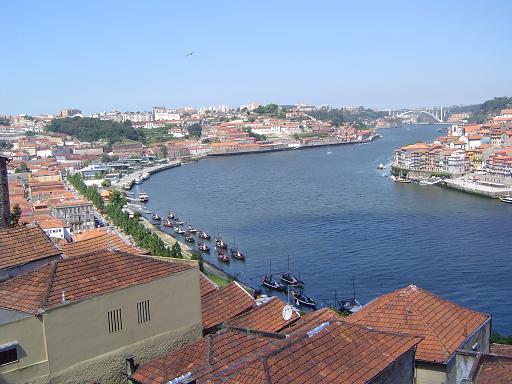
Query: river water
(333, 215)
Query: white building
(162, 113)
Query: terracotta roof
(22, 245)
(340, 352)
(267, 316)
(206, 285)
(414, 311)
(105, 241)
(81, 277)
(492, 369)
(501, 349)
(221, 305)
(90, 234)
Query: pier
(129, 180)
(490, 190)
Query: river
(333, 215)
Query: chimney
(130, 366)
(5, 209)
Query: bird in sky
(189, 54)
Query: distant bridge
(437, 113)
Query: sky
(131, 55)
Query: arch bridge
(435, 115)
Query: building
(444, 326)
(96, 241)
(70, 112)
(322, 347)
(75, 319)
(24, 249)
(54, 228)
(162, 113)
(77, 214)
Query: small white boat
(329, 152)
(138, 180)
(506, 199)
(143, 197)
(381, 166)
(145, 176)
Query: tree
(176, 251)
(5, 145)
(197, 256)
(15, 215)
(106, 183)
(22, 168)
(268, 109)
(164, 151)
(194, 130)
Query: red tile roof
(22, 245)
(105, 241)
(221, 305)
(267, 316)
(340, 352)
(81, 277)
(206, 285)
(492, 369)
(414, 311)
(501, 349)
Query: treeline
(269, 109)
(143, 237)
(339, 116)
(489, 108)
(501, 339)
(88, 129)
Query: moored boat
(171, 216)
(222, 256)
(203, 247)
(143, 197)
(506, 199)
(179, 230)
(220, 243)
(270, 283)
(301, 299)
(189, 239)
(191, 228)
(178, 221)
(381, 166)
(289, 279)
(235, 252)
(203, 235)
(156, 217)
(350, 305)
(167, 223)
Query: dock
(129, 180)
(491, 190)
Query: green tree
(176, 250)
(197, 256)
(163, 151)
(106, 183)
(22, 168)
(15, 216)
(194, 130)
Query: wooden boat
(269, 282)
(203, 247)
(191, 229)
(155, 217)
(221, 244)
(203, 235)
(289, 279)
(178, 221)
(171, 216)
(189, 239)
(235, 252)
(222, 256)
(167, 223)
(179, 230)
(301, 299)
(350, 305)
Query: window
(8, 353)
(143, 314)
(115, 320)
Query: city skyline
(129, 56)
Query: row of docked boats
(289, 283)
(221, 247)
(142, 178)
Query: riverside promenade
(129, 180)
(480, 188)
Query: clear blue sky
(130, 55)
